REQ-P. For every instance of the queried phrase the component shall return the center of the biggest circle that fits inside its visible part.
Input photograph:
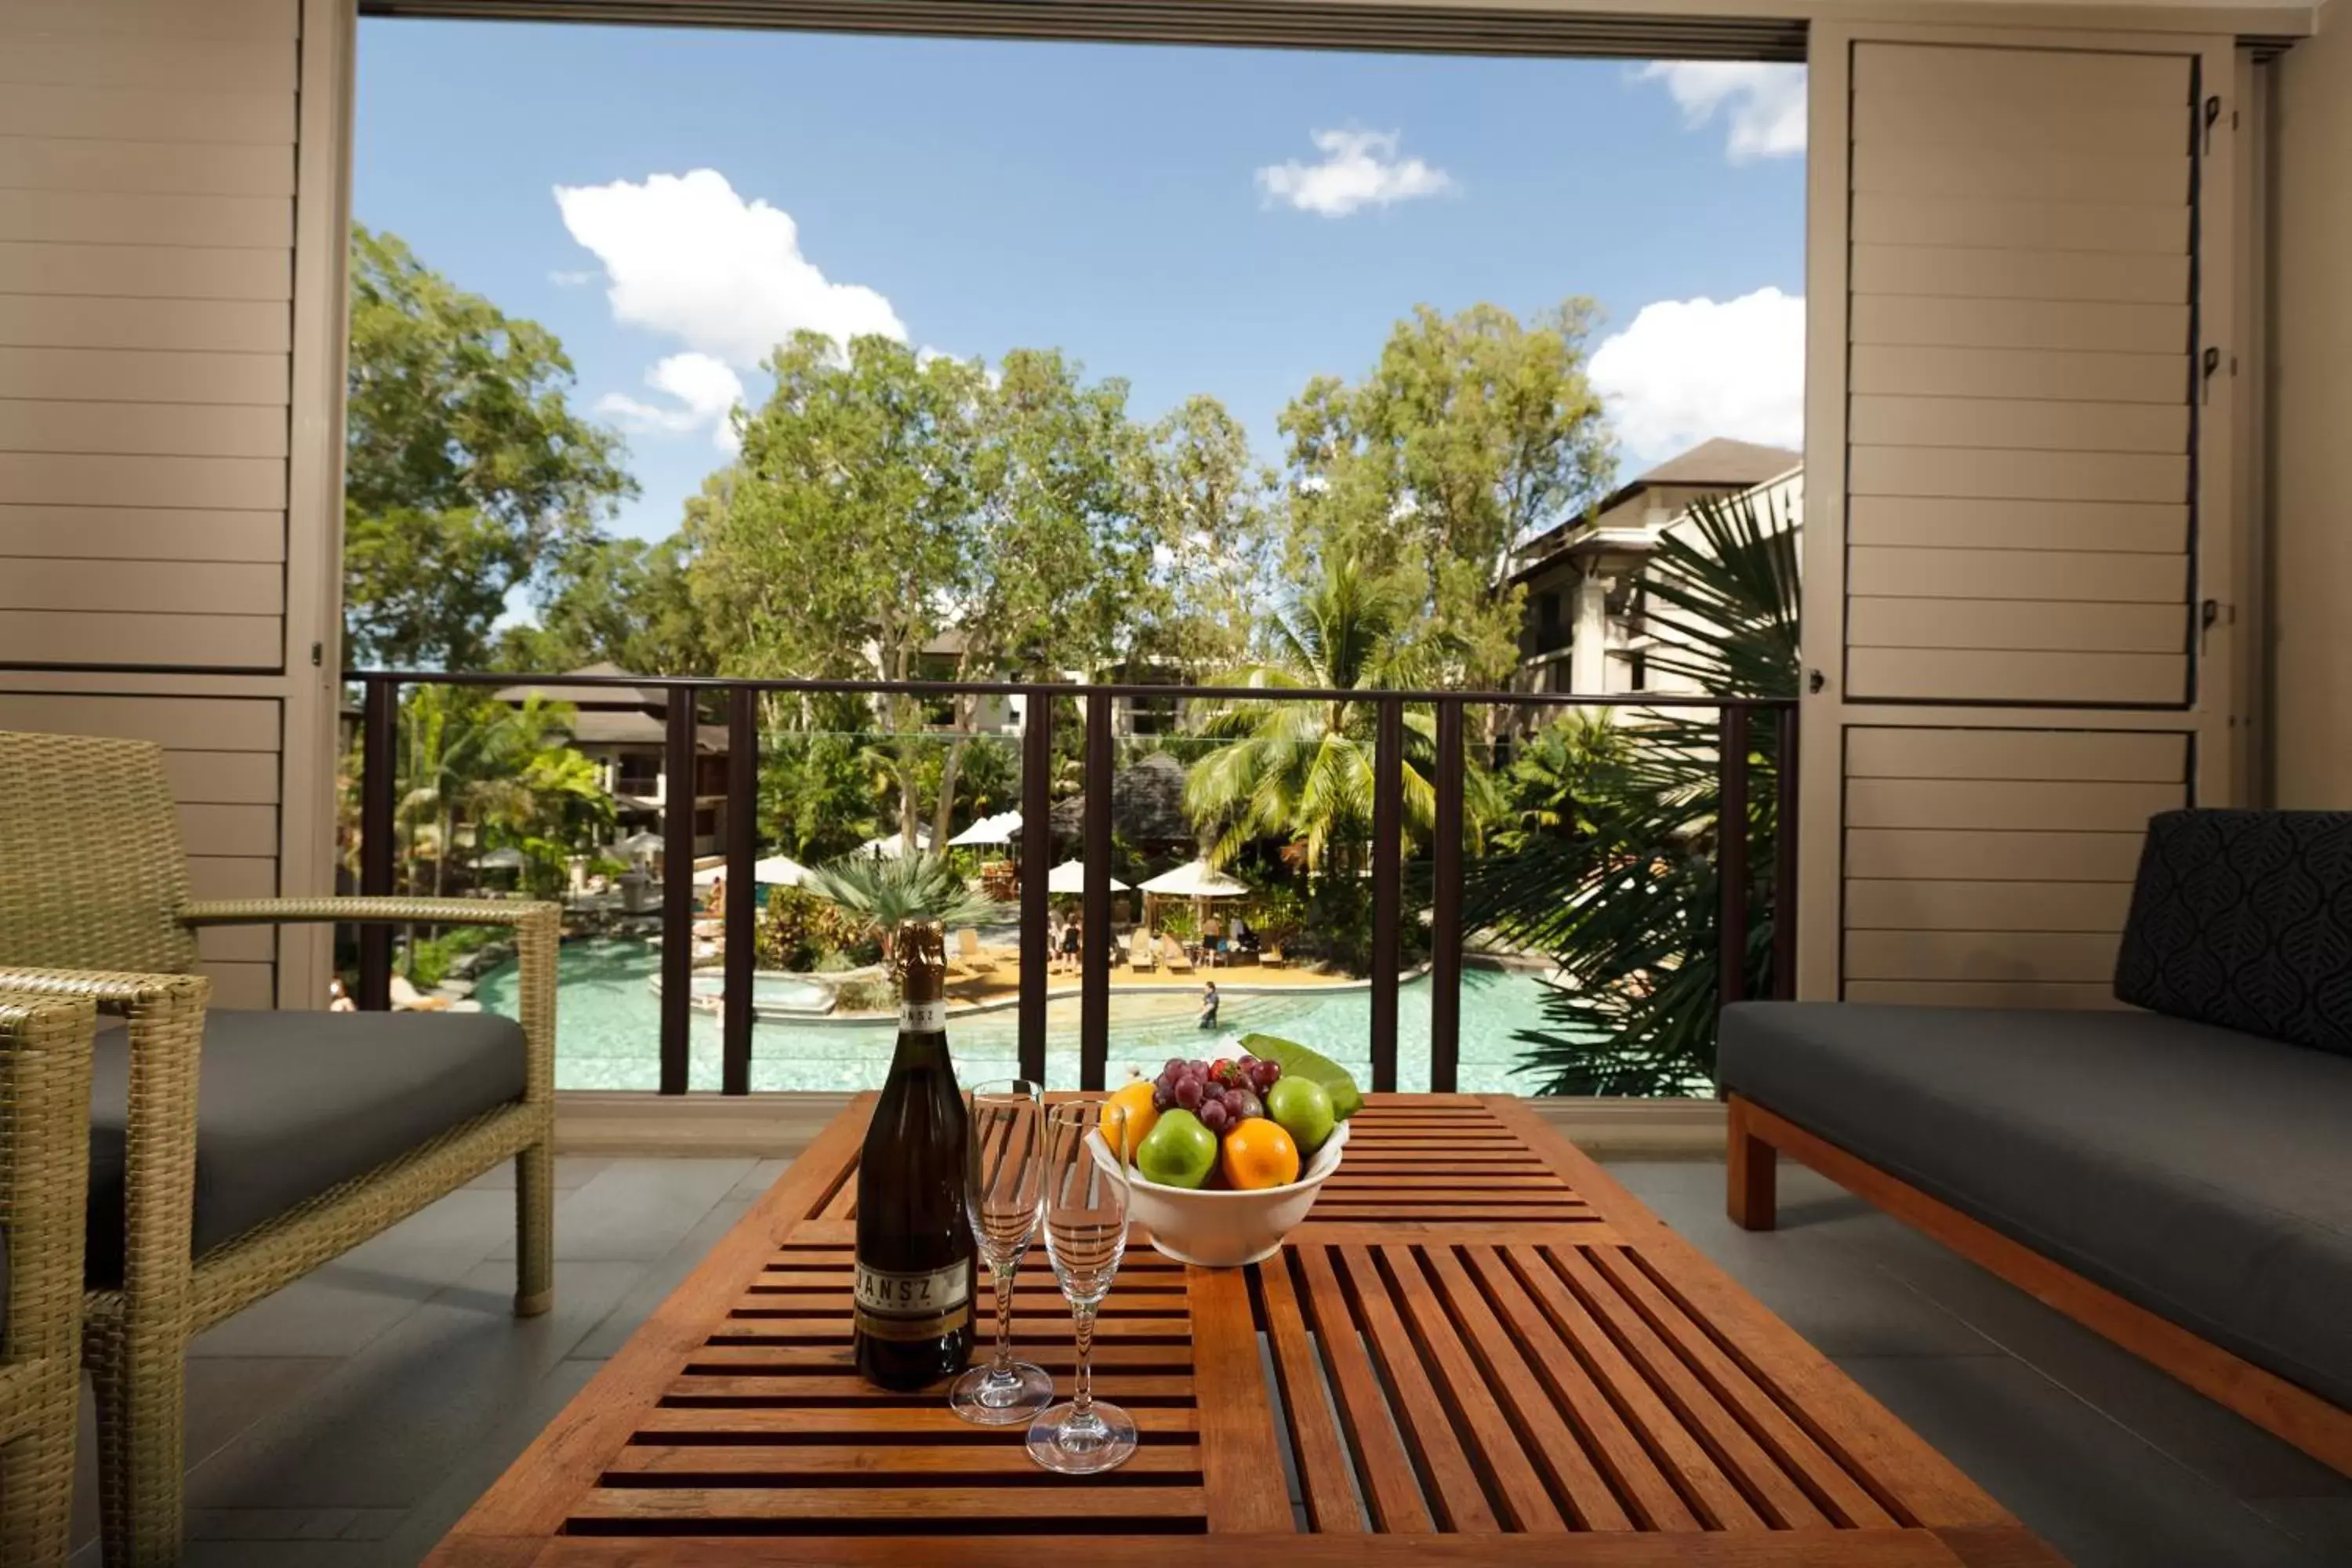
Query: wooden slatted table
(1477, 1332)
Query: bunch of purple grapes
(1224, 1093)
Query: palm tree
(1630, 909)
(1302, 771)
(466, 757)
(888, 889)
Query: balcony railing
(1738, 724)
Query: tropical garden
(897, 516)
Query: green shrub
(866, 994)
(798, 928)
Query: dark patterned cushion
(2243, 918)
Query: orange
(1259, 1153)
(1134, 1099)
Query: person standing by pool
(1074, 942)
(1209, 1005)
(1054, 939)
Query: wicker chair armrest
(404, 911)
(113, 992)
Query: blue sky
(1223, 221)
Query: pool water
(608, 1031)
(783, 993)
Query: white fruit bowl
(1222, 1230)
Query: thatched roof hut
(1147, 806)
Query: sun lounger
(1140, 956)
(1178, 962)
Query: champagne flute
(1005, 1187)
(1085, 1235)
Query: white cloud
(1763, 106)
(1686, 370)
(684, 255)
(1359, 169)
(706, 391)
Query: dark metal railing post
(742, 908)
(1731, 851)
(379, 787)
(1387, 892)
(1784, 861)
(1037, 865)
(677, 891)
(1094, 955)
(1445, 906)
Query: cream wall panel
(1980, 174)
(1986, 274)
(1994, 855)
(129, 639)
(2054, 626)
(2042, 375)
(2045, 806)
(269, 19)
(175, 724)
(151, 59)
(176, 168)
(1968, 676)
(2012, 475)
(1936, 574)
(2082, 994)
(234, 484)
(2079, 77)
(131, 534)
(223, 877)
(2092, 527)
(1883, 217)
(1914, 120)
(223, 778)
(183, 587)
(147, 114)
(1980, 955)
(2106, 328)
(154, 429)
(35, 320)
(242, 830)
(236, 944)
(148, 271)
(2046, 427)
(1987, 905)
(115, 218)
(243, 985)
(142, 375)
(2028, 754)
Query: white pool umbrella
(997, 829)
(1070, 876)
(1196, 879)
(637, 845)
(779, 871)
(891, 845)
(507, 859)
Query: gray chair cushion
(2243, 918)
(288, 1104)
(2203, 1173)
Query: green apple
(1179, 1152)
(1302, 1108)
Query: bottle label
(923, 1017)
(913, 1305)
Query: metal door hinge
(2208, 362)
(2212, 113)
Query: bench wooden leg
(1751, 1188)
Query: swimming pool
(608, 1031)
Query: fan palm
(1630, 909)
(887, 889)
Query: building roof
(1147, 804)
(1720, 464)
(603, 698)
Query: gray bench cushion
(2203, 1173)
(288, 1104)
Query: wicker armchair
(94, 904)
(44, 1044)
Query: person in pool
(1209, 1006)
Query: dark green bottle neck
(921, 1051)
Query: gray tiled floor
(350, 1419)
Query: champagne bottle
(915, 1248)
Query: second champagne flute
(1085, 1235)
(1005, 1188)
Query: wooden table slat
(1475, 1330)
